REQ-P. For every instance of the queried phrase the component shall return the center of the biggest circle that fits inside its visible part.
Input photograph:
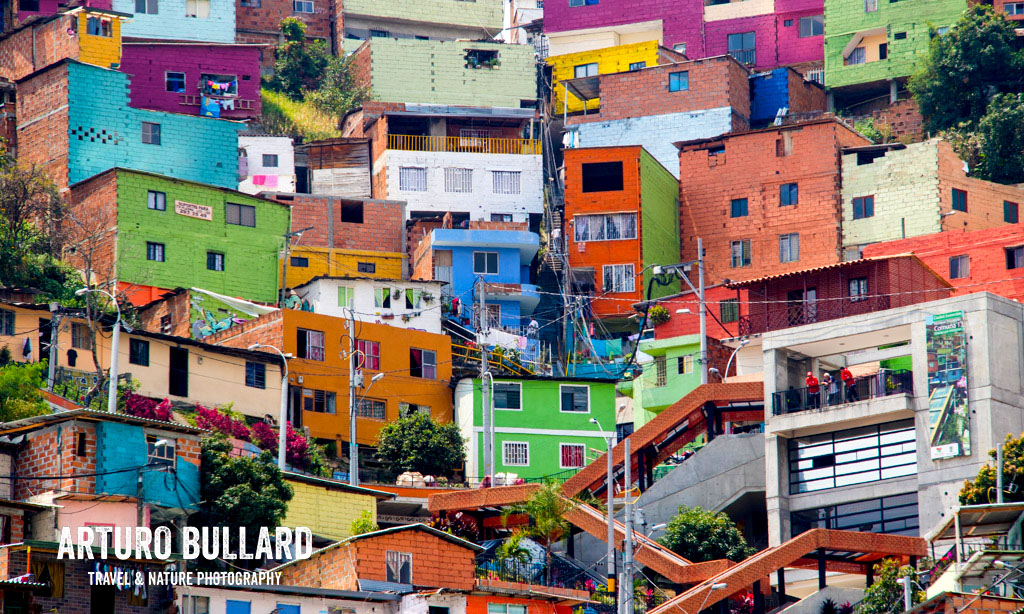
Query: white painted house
(394, 302)
(283, 600)
(268, 166)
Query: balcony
(464, 144)
(778, 317)
(885, 383)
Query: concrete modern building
(400, 303)
(891, 458)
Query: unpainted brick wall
(382, 228)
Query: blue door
(288, 609)
(238, 607)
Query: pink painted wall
(83, 513)
(49, 7)
(791, 48)
(716, 36)
(148, 63)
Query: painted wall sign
(949, 420)
(201, 212)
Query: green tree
(299, 63)
(965, 67)
(239, 491)
(339, 92)
(702, 535)
(546, 509)
(885, 596)
(1001, 140)
(417, 443)
(983, 489)
(20, 396)
(364, 524)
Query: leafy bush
(417, 443)
(364, 524)
(702, 535)
(20, 396)
(145, 407)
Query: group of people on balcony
(831, 386)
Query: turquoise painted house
(542, 425)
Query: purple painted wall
(776, 43)
(149, 63)
(50, 7)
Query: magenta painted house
(215, 80)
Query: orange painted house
(621, 216)
(416, 367)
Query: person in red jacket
(813, 390)
(848, 383)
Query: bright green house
(541, 425)
(673, 374)
(172, 233)
(872, 44)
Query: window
(80, 337)
(345, 296)
(302, 6)
(174, 82)
(319, 401)
(789, 247)
(679, 81)
(423, 363)
(197, 8)
(857, 56)
(571, 455)
(870, 6)
(618, 278)
(81, 444)
(255, 4)
(309, 344)
(515, 453)
(739, 253)
(458, 180)
(413, 298)
(660, 370)
(582, 2)
(240, 215)
(812, 26)
(853, 456)
(959, 200)
(585, 70)
(601, 177)
(150, 133)
(741, 47)
(255, 375)
(507, 395)
(412, 179)
(146, 6)
(374, 409)
(789, 194)
(1014, 8)
(485, 263)
(679, 47)
(883, 51)
(899, 35)
(895, 515)
(196, 605)
(738, 207)
(138, 352)
(298, 261)
(575, 399)
(477, 58)
(637, 65)
(492, 315)
(155, 251)
(218, 84)
(506, 182)
(604, 227)
(858, 289)
(352, 212)
(941, 30)
(685, 365)
(160, 450)
(156, 201)
(503, 608)
(787, 23)
(6, 322)
(399, 566)
(270, 160)
(214, 261)
(368, 356)
(501, 217)
(730, 310)
(165, 324)
(99, 26)
(374, 33)
(1010, 212)
(382, 298)
(960, 267)
(863, 207)
(1014, 257)
(366, 267)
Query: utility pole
(908, 595)
(627, 550)
(54, 331)
(610, 487)
(703, 313)
(353, 445)
(485, 387)
(287, 252)
(999, 473)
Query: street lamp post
(115, 346)
(282, 422)
(610, 487)
(743, 342)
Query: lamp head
(255, 346)
(683, 310)
(717, 586)
(377, 378)
(593, 420)
(81, 291)
(744, 342)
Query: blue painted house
(494, 261)
(211, 21)
(782, 88)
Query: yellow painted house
(305, 263)
(328, 507)
(99, 37)
(604, 61)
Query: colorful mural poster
(948, 414)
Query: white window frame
(165, 455)
(150, 7)
(399, 558)
(561, 465)
(507, 182)
(458, 180)
(349, 293)
(200, 10)
(788, 254)
(156, 200)
(562, 411)
(584, 228)
(412, 179)
(631, 277)
(518, 385)
(686, 362)
(590, 69)
(505, 449)
(303, 5)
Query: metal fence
(885, 383)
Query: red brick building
(260, 22)
(973, 261)
(344, 223)
(765, 202)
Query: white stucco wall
(322, 294)
(482, 201)
(255, 147)
(263, 602)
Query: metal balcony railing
(885, 383)
(779, 316)
(467, 144)
(747, 57)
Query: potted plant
(658, 315)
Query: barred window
(412, 179)
(374, 409)
(506, 182)
(515, 453)
(605, 227)
(618, 278)
(458, 180)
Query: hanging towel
(271, 181)
(209, 107)
(227, 104)
(259, 179)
